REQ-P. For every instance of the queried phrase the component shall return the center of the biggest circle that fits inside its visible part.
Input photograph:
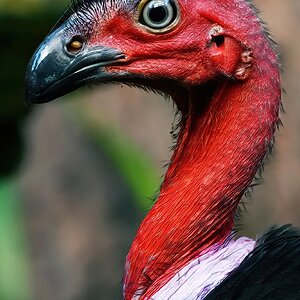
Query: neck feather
(220, 148)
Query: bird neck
(224, 135)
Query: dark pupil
(157, 14)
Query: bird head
(167, 45)
(192, 50)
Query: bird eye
(158, 15)
(75, 45)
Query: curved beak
(53, 71)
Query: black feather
(87, 10)
(270, 271)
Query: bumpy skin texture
(219, 66)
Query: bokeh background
(77, 176)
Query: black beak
(53, 71)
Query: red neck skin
(217, 155)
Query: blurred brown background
(79, 186)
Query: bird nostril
(218, 40)
(75, 45)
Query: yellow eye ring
(158, 16)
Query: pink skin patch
(203, 274)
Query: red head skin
(224, 134)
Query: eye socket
(75, 45)
(158, 15)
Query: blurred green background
(77, 176)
